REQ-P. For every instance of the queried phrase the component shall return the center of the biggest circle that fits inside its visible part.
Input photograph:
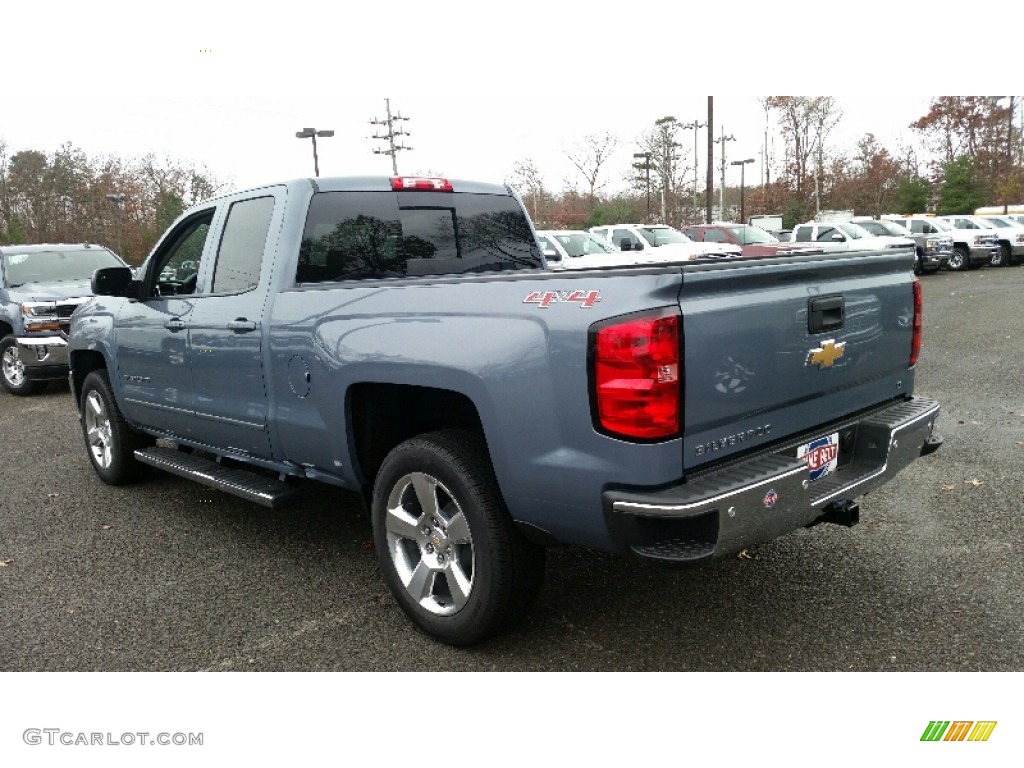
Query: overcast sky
(485, 85)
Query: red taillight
(636, 377)
(406, 183)
(915, 345)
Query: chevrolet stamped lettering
(405, 339)
(732, 440)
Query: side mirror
(111, 281)
(838, 238)
(550, 254)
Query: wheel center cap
(438, 537)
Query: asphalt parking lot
(167, 575)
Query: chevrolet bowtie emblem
(825, 355)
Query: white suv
(661, 240)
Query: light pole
(116, 199)
(647, 168)
(742, 164)
(312, 133)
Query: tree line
(67, 197)
(969, 154)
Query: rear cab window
(382, 235)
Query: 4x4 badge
(825, 355)
(544, 299)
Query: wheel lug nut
(440, 559)
(435, 521)
(426, 530)
(430, 549)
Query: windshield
(747, 234)
(661, 235)
(884, 228)
(56, 266)
(982, 223)
(855, 231)
(583, 243)
(1000, 222)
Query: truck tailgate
(774, 349)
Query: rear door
(226, 328)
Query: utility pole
(1009, 148)
(721, 191)
(116, 199)
(710, 183)
(392, 132)
(647, 172)
(696, 126)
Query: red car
(753, 240)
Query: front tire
(1004, 258)
(12, 370)
(959, 259)
(110, 442)
(446, 544)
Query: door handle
(241, 325)
(174, 324)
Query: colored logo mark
(958, 730)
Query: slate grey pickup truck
(403, 338)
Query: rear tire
(446, 544)
(109, 441)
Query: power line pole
(710, 183)
(392, 132)
(721, 191)
(646, 168)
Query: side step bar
(267, 491)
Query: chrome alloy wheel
(13, 368)
(98, 430)
(430, 544)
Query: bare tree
(589, 157)
(526, 179)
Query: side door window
(803, 235)
(825, 234)
(715, 236)
(620, 236)
(240, 256)
(176, 265)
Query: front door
(154, 366)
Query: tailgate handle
(825, 313)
